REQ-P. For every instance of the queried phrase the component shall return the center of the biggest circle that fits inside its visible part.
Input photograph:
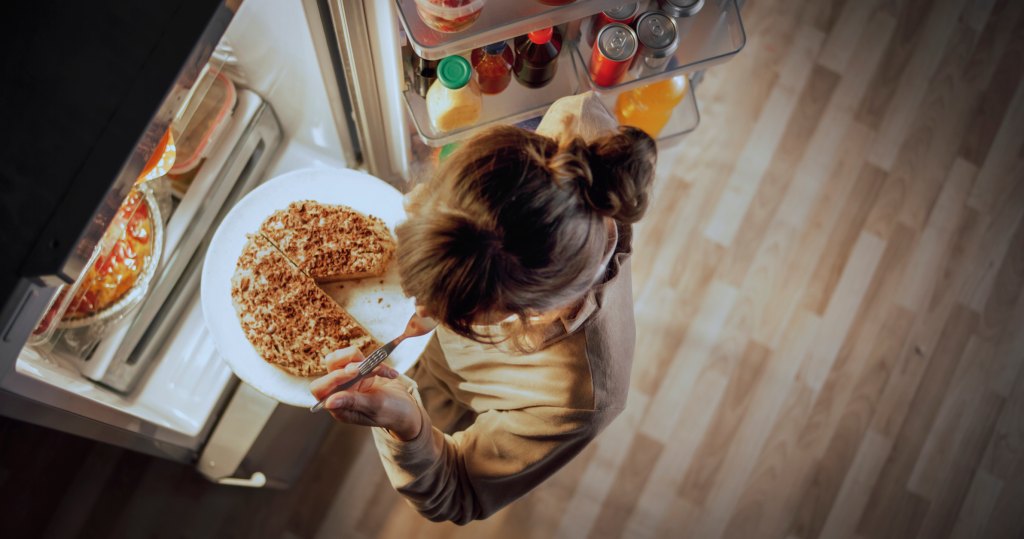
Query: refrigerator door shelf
(515, 104)
(713, 36)
(499, 20)
(684, 119)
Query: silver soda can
(658, 39)
(681, 8)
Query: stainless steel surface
(243, 169)
(328, 55)
(499, 20)
(237, 430)
(417, 326)
(355, 33)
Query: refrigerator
(134, 128)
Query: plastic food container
(449, 15)
(203, 121)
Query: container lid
(623, 12)
(454, 72)
(657, 32)
(617, 42)
(541, 36)
(495, 48)
(446, 150)
(681, 8)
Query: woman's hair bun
(621, 170)
(613, 173)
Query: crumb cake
(289, 320)
(330, 242)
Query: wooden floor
(830, 321)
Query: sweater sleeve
(471, 474)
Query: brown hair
(514, 223)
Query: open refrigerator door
(114, 347)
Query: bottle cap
(495, 48)
(454, 72)
(541, 36)
(446, 150)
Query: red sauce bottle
(537, 57)
(492, 67)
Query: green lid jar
(454, 72)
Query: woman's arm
(473, 473)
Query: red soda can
(624, 14)
(613, 51)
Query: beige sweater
(496, 424)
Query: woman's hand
(378, 400)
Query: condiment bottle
(537, 57)
(492, 65)
(453, 100)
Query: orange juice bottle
(649, 107)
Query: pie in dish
(289, 320)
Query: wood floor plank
(796, 85)
(909, 19)
(856, 489)
(977, 506)
(913, 83)
(968, 449)
(997, 175)
(829, 484)
(842, 38)
(759, 510)
(841, 309)
(842, 238)
(767, 403)
(893, 511)
(936, 239)
(992, 248)
(682, 374)
(730, 413)
(996, 62)
(598, 480)
(629, 482)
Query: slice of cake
(291, 323)
(330, 242)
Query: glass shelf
(712, 36)
(685, 116)
(515, 104)
(499, 20)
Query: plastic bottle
(537, 57)
(492, 65)
(453, 100)
(649, 107)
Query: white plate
(379, 307)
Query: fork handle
(366, 367)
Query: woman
(519, 246)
